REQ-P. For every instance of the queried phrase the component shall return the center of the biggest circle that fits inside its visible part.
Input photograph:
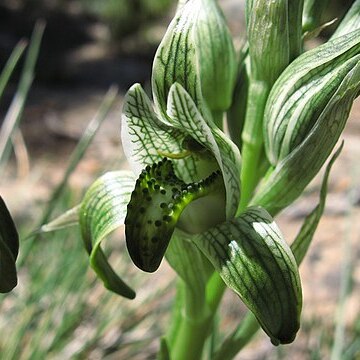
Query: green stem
(252, 140)
(192, 329)
(190, 339)
(215, 291)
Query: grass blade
(10, 65)
(13, 116)
(80, 150)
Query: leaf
(9, 248)
(145, 138)
(10, 65)
(183, 111)
(103, 209)
(13, 115)
(253, 260)
(303, 239)
(156, 204)
(312, 13)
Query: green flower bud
(302, 92)
(216, 56)
(268, 36)
(196, 52)
(305, 115)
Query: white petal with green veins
(185, 115)
(103, 209)
(144, 137)
(253, 259)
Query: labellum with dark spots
(156, 204)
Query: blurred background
(59, 310)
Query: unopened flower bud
(196, 52)
(305, 115)
(268, 33)
(301, 94)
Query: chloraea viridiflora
(205, 200)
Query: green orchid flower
(182, 198)
(192, 199)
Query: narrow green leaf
(303, 239)
(156, 204)
(80, 149)
(295, 11)
(13, 115)
(183, 111)
(11, 64)
(9, 247)
(253, 259)
(102, 211)
(69, 218)
(147, 140)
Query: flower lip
(156, 204)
